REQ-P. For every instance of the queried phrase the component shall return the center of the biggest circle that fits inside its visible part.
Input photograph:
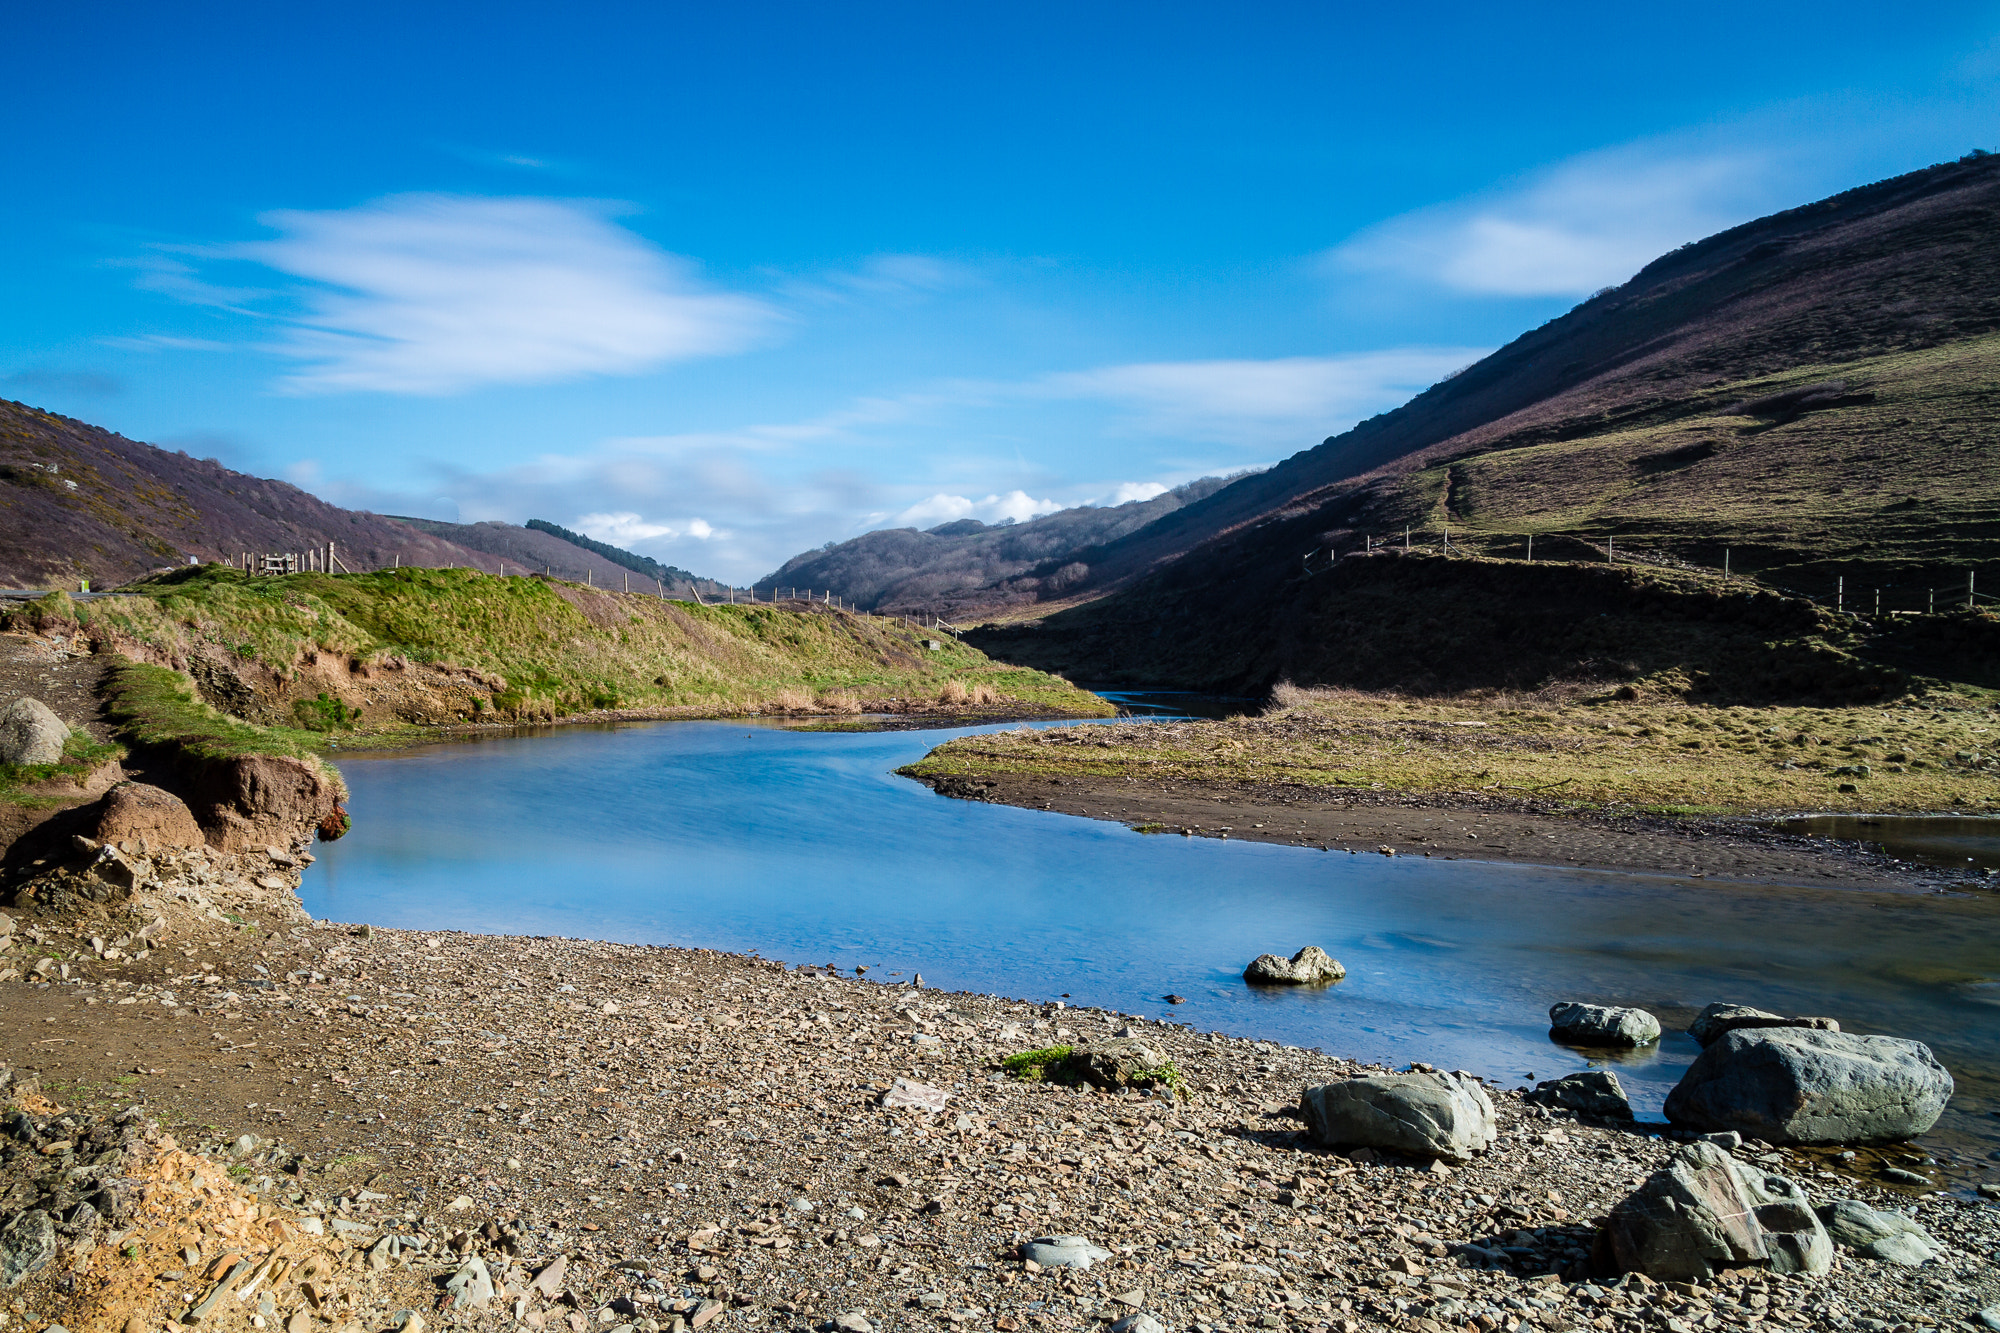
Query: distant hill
(968, 567)
(80, 502)
(1812, 397)
(536, 549)
(670, 575)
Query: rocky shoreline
(658, 1138)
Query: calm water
(805, 847)
(1961, 842)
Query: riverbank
(700, 1138)
(1671, 789)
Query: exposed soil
(53, 670)
(1390, 823)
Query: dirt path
(1369, 823)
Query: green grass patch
(1034, 1066)
(83, 754)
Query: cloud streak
(432, 294)
(1570, 230)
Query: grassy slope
(157, 707)
(1670, 759)
(563, 648)
(1901, 493)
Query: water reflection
(1956, 841)
(806, 847)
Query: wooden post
(628, 582)
(1933, 601)
(1406, 539)
(1725, 562)
(1531, 548)
(1878, 603)
(399, 559)
(1840, 593)
(1610, 550)
(1970, 576)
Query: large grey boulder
(1423, 1114)
(1877, 1234)
(1706, 1211)
(1601, 1025)
(1592, 1092)
(1800, 1085)
(1310, 966)
(30, 733)
(1713, 1022)
(1119, 1062)
(27, 1243)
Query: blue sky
(721, 283)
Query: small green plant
(1167, 1075)
(325, 713)
(1149, 828)
(1034, 1066)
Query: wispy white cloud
(1279, 402)
(1581, 225)
(1015, 506)
(629, 529)
(436, 294)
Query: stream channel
(805, 846)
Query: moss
(82, 755)
(1035, 1066)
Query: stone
(136, 810)
(1580, 1024)
(921, 1096)
(1310, 966)
(1423, 1114)
(27, 1244)
(1063, 1252)
(1705, 1211)
(471, 1287)
(30, 733)
(1801, 1085)
(1138, 1323)
(1897, 1175)
(550, 1280)
(1591, 1092)
(1877, 1234)
(1717, 1019)
(1118, 1062)
(853, 1322)
(1988, 1318)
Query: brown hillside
(1901, 265)
(79, 502)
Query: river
(805, 846)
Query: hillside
(535, 551)
(1899, 266)
(966, 567)
(80, 502)
(1810, 398)
(407, 646)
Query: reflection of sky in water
(806, 847)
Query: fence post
(1406, 539)
(1969, 577)
(1878, 603)
(1840, 593)
(1725, 562)
(1610, 550)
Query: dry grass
(1937, 753)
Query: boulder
(1422, 1114)
(1801, 1085)
(1310, 966)
(1117, 1062)
(30, 733)
(1877, 1234)
(1712, 1022)
(249, 803)
(1593, 1092)
(1063, 1252)
(1599, 1025)
(136, 810)
(27, 1243)
(1706, 1211)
